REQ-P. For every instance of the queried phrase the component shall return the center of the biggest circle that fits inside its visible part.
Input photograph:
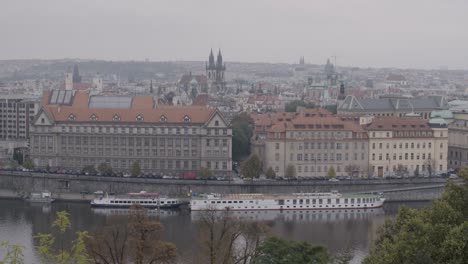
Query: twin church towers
(215, 71)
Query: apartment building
(313, 141)
(406, 145)
(16, 113)
(74, 129)
(458, 140)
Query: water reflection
(353, 230)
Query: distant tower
(76, 75)
(97, 84)
(301, 60)
(342, 94)
(215, 72)
(151, 86)
(69, 81)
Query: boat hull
(259, 202)
(171, 206)
(41, 200)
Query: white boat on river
(145, 199)
(296, 201)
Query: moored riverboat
(296, 201)
(41, 197)
(145, 199)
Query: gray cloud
(398, 33)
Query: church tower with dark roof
(215, 72)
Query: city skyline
(359, 33)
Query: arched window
(139, 117)
(187, 119)
(163, 119)
(93, 117)
(71, 117)
(116, 117)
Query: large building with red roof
(314, 140)
(74, 129)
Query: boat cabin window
(294, 201)
(301, 201)
(213, 202)
(162, 202)
(307, 201)
(218, 201)
(229, 201)
(346, 200)
(352, 200)
(328, 201)
(224, 201)
(358, 200)
(313, 201)
(337, 201)
(241, 201)
(320, 201)
(111, 201)
(251, 201)
(235, 201)
(281, 202)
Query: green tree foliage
(18, 156)
(135, 170)
(436, 235)
(52, 251)
(28, 164)
(13, 253)
(252, 167)
(331, 172)
(290, 171)
(205, 173)
(275, 250)
(292, 106)
(89, 169)
(105, 169)
(241, 133)
(270, 173)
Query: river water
(351, 231)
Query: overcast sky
(365, 33)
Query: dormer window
(93, 117)
(116, 117)
(187, 119)
(163, 119)
(71, 117)
(139, 117)
(216, 123)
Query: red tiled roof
(141, 105)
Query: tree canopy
(135, 169)
(270, 173)
(275, 250)
(290, 171)
(331, 172)
(252, 167)
(438, 234)
(241, 134)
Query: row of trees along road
(220, 239)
